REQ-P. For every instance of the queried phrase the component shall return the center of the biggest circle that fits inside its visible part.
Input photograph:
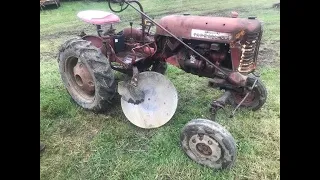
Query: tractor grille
(250, 50)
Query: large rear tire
(86, 74)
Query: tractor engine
(218, 53)
(229, 42)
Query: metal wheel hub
(251, 97)
(83, 78)
(205, 147)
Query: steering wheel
(121, 3)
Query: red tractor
(224, 49)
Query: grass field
(85, 145)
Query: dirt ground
(268, 56)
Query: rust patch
(83, 78)
(237, 79)
(240, 34)
(173, 60)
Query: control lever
(131, 38)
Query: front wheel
(208, 143)
(255, 100)
(86, 74)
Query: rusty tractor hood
(223, 29)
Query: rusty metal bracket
(134, 79)
(219, 104)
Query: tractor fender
(97, 42)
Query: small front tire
(208, 143)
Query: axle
(219, 103)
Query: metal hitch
(129, 89)
(219, 104)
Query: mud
(48, 56)
(226, 12)
(59, 35)
(268, 55)
(73, 32)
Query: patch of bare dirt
(44, 56)
(225, 12)
(276, 5)
(59, 35)
(268, 55)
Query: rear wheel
(208, 143)
(255, 100)
(86, 74)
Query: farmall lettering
(212, 35)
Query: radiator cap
(234, 14)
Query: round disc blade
(160, 102)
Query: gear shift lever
(131, 38)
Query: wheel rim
(205, 147)
(80, 80)
(249, 101)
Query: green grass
(84, 145)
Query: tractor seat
(97, 17)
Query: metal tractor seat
(97, 17)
